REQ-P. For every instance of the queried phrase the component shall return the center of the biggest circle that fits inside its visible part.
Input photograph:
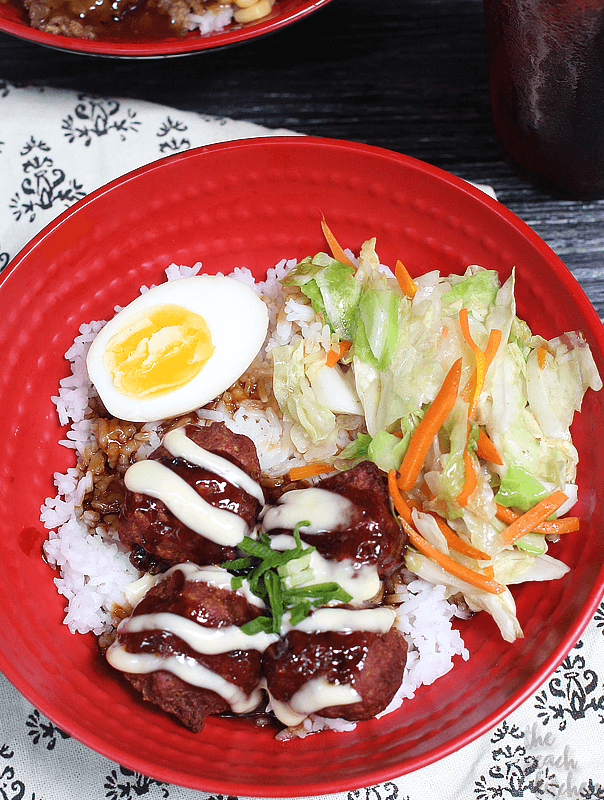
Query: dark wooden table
(409, 75)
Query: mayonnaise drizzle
(216, 524)
(215, 576)
(344, 620)
(314, 695)
(206, 640)
(136, 590)
(188, 670)
(326, 511)
(178, 444)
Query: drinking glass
(546, 72)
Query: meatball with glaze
(183, 649)
(348, 665)
(159, 536)
(358, 541)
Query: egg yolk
(157, 350)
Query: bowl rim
(380, 774)
(163, 48)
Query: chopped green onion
(299, 612)
(279, 578)
(294, 566)
(296, 572)
(302, 578)
(321, 592)
(275, 599)
(237, 563)
(258, 625)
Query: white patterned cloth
(56, 147)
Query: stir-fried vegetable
(405, 281)
(334, 355)
(473, 577)
(429, 426)
(337, 252)
(465, 409)
(551, 527)
(309, 471)
(539, 513)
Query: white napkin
(55, 147)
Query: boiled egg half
(177, 347)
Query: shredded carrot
(541, 356)
(489, 572)
(428, 427)
(405, 281)
(526, 522)
(480, 361)
(471, 393)
(455, 542)
(398, 434)
(470, 479)
(334, 355)
(309, 470)
(401, 505)
(506, 514)
(336, 251)
(492, 345)
(489, 354)
(450, 565)
(486, 449)
(426, 491)
(468, 390)
(464, 321)
(554, 527)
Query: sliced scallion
(280, 578)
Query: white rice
(211, 21)
(424, 618)
(94, 568)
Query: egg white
(238, 321)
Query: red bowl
(13, 21)
(252, 203)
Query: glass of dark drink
(546, 70)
